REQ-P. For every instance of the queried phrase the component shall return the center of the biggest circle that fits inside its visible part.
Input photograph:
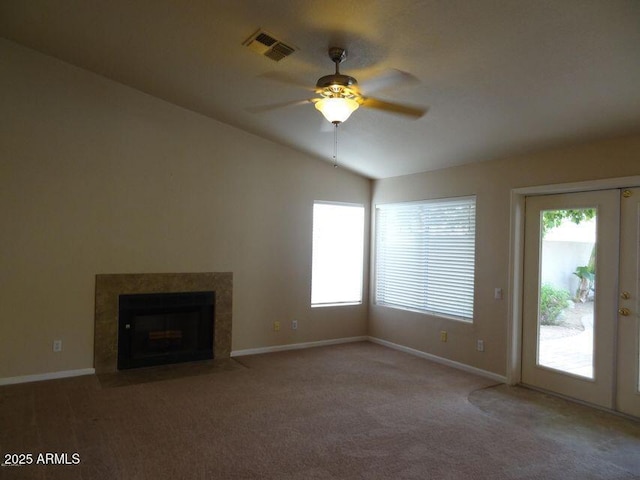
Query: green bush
(552, 302)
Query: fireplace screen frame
(165, 328)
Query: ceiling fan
(340, 95)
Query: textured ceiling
(499, 77)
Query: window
(425, 256)
(338, 254)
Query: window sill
(341, 304)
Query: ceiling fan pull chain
(335, 145)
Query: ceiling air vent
(269, 46)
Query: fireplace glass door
(164, 328)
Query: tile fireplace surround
(110, 286)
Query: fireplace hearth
(162, 328)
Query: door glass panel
(567, 291)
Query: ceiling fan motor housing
(337, 84)
(336, 79)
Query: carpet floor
(352, 411)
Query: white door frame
(516, 257)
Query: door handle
(625, 295)
(624, 312)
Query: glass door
(570, 294)
(628, 399)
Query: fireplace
(161, 328)
(161, 337)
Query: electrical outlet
(480, 345)
(443, 336)
(57, 346)
(294, 324)
(276, 326)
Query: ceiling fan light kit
(336, 109)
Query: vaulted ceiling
(499, 78)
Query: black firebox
(161, 328)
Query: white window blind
(425, 256)
(338, 254)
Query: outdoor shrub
(552, 302)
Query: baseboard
(297, 346)
(444, 361)
(47, 376)
(280, 348)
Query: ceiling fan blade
(397, 108)
(276, 106)
(286, 79)
(388, 79)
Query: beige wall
(492, 182)
(98, 178)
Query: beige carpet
(356, 411)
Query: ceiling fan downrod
(336, 80)
(337, 55)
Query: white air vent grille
(265, 39)
(269, 46)
(279, 51)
